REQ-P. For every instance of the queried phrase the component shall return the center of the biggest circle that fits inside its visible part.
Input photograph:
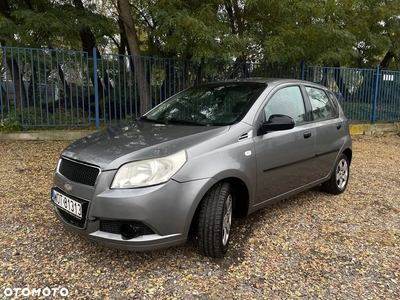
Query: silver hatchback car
(207, 154)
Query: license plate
(69, 205)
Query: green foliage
(52, 24)
(179, 28)
(374, 24)
(353, 33)
(16, 119)
(11, 125)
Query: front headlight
(148, 172)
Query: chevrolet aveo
(200, 158)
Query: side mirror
(276, 123)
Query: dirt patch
(312, 246)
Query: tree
(189, 29)
(375, 24)
(124, 11)
(325, 32)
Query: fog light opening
(129, 231)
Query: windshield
(212, 104)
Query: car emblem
(67, 187)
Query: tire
(215, 221)
(339, 179)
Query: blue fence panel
(388, 106)
(120, 88)
(235, 70)
(45, 87)
(353, 87)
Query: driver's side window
(287, 101)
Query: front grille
(115, 227)
(78, 172)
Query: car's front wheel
(339, 179)
(215, 220)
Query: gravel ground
(312, 246)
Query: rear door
(285, 158)
(329, 129)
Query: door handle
(338, 126)
(307, 134)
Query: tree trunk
(124, 10)
(88, 41)
(5, 9)
(12, 64)
(387, 60)
(365, 91)
(3, 95)
(324, 80)
(229, 9)
(65, 84)
(166, 85)
(341, 84)
(236, 17)
(199, 73)
(18, 83)
(239, 18)
(239, 68)
(123, 45)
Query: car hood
(114, 146)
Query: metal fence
(54, 88)
(366, 95)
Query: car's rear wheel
(215, 220)
(339, 179)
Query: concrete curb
(46, 135)
(369, 129)
(70, 135)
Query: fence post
(96, 91)
(376, 91)
(211, 62)
(1, 98)
(303, 69)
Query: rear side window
(335, 102)
(287, 101)
(321, 105)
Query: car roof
(274, 81)
(268, 81)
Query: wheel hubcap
(226, 226)
(342, 174)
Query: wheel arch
(241, 199)
(349, 154)
(241, 196)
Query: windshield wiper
(182, 122)
(144, 118)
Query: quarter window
(320, 104)
(287, 101)
(334, 101)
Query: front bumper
(166, 209)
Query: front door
(285, 158)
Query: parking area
(311, 246)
